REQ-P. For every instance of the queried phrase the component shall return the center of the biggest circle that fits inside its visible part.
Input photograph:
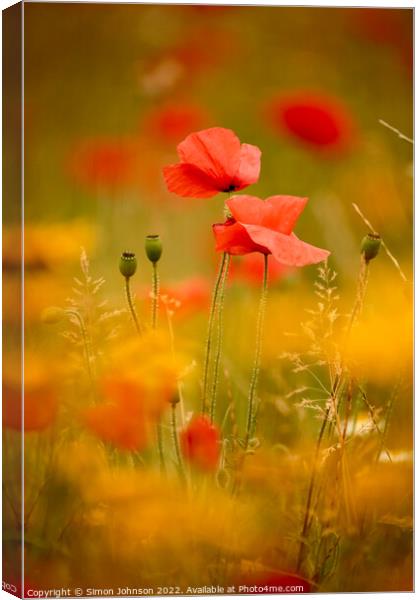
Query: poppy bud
(128, 264)
(175, 399)
(371, 245)
(52, 315)
(153, 247)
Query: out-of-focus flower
(50, 248)
(177, 67)
(103, 163)
(393, 28)
(250, 268)
(266, 227)
(150, 363)
(170, 123)
(153, 513)
(41, 407)
(113, 165)
(121, 420)
(187, 296)
(200, 443)
(212, 161)
(47, 245)
(321, 123)
(40, 394)
(378, 492)
(382, 361)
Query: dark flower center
(231, 188)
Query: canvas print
(207, 300)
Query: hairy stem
(180, 462)
(251, 418)
(206, 369)
(219, 314)
(159, 437)
(155, 292)
(155, 305)
(131, 306)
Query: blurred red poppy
(266, 226)
(41, 407)
(320, 122)
(172, 122)
(250, 268)
(121, 420)
(103, 163)
(200, 49)
(200, 443)
(204, 47)
(212, 161)
(190, 295)
(393, 28)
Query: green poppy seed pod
(52, 315)
(128, 264)
(153, 247)
(371, 245)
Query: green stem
(251, 418)
(131, 306)
(155, 305)
(362, 282)
(210, 332)
(155, 300)
(219, 310)
(176, 443)
(159, 437)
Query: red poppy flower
(266, 226)
(172, 122)
(250, 268)
(41, 407)
(190, 295)
(200, 443)
(317, 121)
(382, 26)
(121, 420)
(204, 48)
(212, 161)
(104, 163)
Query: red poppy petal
(216, 151)
(246, 209)
(286, 249)
(234, 239)
(282, 212)
(188, 181)
(279, 213)
(249, 166)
